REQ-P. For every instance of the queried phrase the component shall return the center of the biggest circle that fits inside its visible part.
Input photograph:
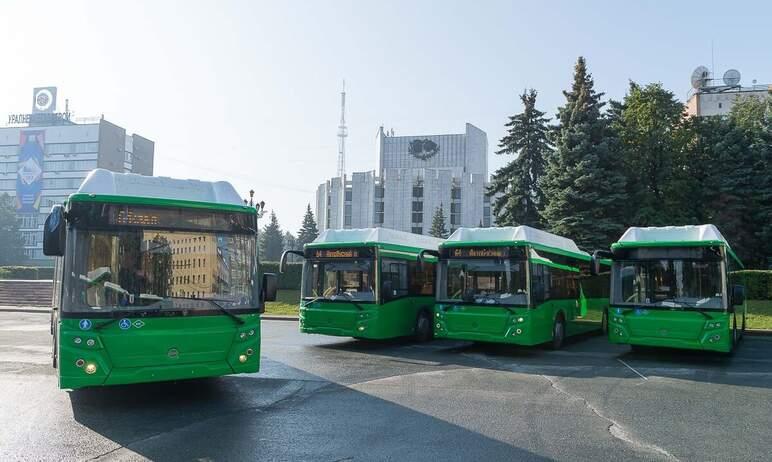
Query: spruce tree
(271, 240)
(520, 198)
(308, 231)
(584, 184)
(439, 228)
(11, 244)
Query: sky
(249, 92)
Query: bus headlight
(520, 319)
(90, 368)
(243, 335)
(242, 358)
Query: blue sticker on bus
(85, 324)
(124, 324)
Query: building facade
(415, 176)
(44, 157)
(710, 102)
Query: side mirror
(595, 259)
(283, 261)
(270, 287)
(738, 295)
(422, 256)
(54, 232)
(387, 290)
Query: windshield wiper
(144, 310)
(687, 306)
(216, 302)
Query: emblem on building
(423, 149)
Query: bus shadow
(247, 417)
(587, 355)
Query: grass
(759, 311)
(759, 314)
(286, 303)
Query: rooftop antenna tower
(342, 134)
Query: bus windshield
(495, 281)
(115, 270)
(668, 283)
(340, 280)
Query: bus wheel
(742, 331)
(558, 332)
(735, 338)
(604, 323)
(423, 326)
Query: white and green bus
(516, 285)
(676, 286)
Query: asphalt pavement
(338, 399)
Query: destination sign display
(483, 252)
(96, 214)
(338, 253)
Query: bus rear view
(674, 287)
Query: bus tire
(423, 326)
(558, 332)
(742, 331)
(604, 323)
(735, 338)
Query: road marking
(632, 369)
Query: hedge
(26, 272)
(758, 284)
(291, 277)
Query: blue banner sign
(29, 178)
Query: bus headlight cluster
(90, 368)
(714, 325)
(618, 320)
(714, 338)
(242, 358)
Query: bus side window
(395, 271)
(421, 278)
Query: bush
(19, 272)
(758, 284)
(291, 278)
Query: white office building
(45, 155)
(415, 175)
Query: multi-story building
(44, 157)
(415, 176)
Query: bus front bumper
(339, 320)
(671, 329)
(484, 325)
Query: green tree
(439, 228)
(271, 240)
(291, 243)
(308, 231)
(584, 184)
(159, 254)
(648, 125)
(11, 243)
(520, 199)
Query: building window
(455, 193)
(347, 220)
(379, 206)
(418, 191)
(455, 208)
(418, 217)
(379, 218)
(417, 230)
(418, 206)
(379, 192)
(455, 219)
(348, 195)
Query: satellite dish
(731, 77)
(700, 77)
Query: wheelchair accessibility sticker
(124, 324)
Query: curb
(276, 317)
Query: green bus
(516, 285)
(367, 283)
(155, 279)
(675, 286)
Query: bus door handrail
(283, 261)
